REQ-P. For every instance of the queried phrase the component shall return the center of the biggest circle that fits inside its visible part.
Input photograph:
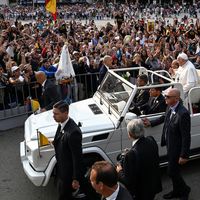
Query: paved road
(14, 185)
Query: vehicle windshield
(116, 92)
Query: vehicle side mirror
(129, 116)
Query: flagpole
(33, 11)
(38, 143)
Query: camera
(121, 156)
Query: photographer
(139, 171)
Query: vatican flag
(35, 105)
(43, 140)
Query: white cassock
(187, 75)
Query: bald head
(40, 77)
(174, 92)
(172, 97)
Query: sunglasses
(168, 97)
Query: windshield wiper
(109, 112)
(101, 103)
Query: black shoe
(186, 196)
(170, 195)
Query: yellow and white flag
(35, 105)
(43, 140)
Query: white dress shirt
(134, 142)
(63, 124)
(113, 196)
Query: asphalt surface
(14, 185)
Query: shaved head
(172, 96)
(174, 92)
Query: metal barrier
(15, 101)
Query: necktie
(169, 116)
(58, 129)
(166, 124)
(57, 135)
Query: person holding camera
(139, 170)
(104, 180)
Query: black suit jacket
(176, 131)
(50, 95)
(68, 149)
(140, 172)
(154, 106)
(123, 194)
(141, 97)
(102, 72)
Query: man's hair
(106, 173)
(106, 57)
(157, 88)
(143, 77)
(62, 106)
(176, 92)
(136, 128)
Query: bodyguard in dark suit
(156, 102)
(103, 177)
(68, 149)
(50, 94)
(102, 72)
(107, 64)
(139, 171)
(142, 95)
(176, 136)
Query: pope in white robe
(186, 74)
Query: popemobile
(102, 120)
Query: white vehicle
(102, 120)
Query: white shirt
(134, 142)
(63, 124)
(113, 196)
(43, 83)
(187, 75)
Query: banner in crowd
(150, 25)
(65, 69)
(50, 6)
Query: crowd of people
(131, 41)
(99, 10)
